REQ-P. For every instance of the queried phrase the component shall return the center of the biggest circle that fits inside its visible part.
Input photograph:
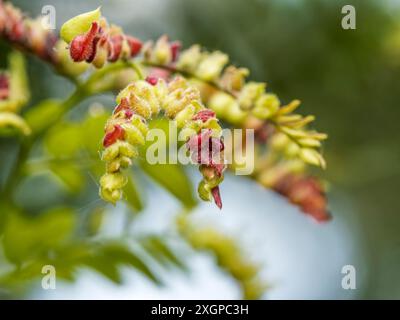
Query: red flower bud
(115, 47)
(217, 197)
(112, 136)
(123, 105)
(204, 115)
(129, 113)
(175, 48)
(204, 148)
(152, 80)
(83, 47)
(134, 44)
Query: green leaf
(26, 238)
(69, 174)
(121, 254)
(92, 130)
(105, 266)
(41, 115)
(174, 179)
(64, 140)
(79, 25)
(159, 250)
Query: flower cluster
(235, 100)
(162, 52)
(229, 256)
(126, 130)
(93, 40)
(26, 33)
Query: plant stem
(26, 146)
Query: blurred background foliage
(348, 78)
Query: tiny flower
(204, 115)
(111, 137)
(152, 80)
(233, 78)
(162, 52)
(111, 185)
(115, 42)
(135, 45)
(266, 106)
(250, 93)
(189, 59)
(217, 197)
(83, 47)
(211, 65)
(123, 105)
(175, 47)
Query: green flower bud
(139, 123)
(250, 93)
(133, 135)
(233, 78)
(266, 106)
(118, 163)
(146, 92)
(204, 191)
(189, 59)
(140, 106)
(79, 25)
(110, 195)
(112, 181)
(162, 51)
(312, 157)
(226, 107)
(126, 149)
(185, 115)
(161, 89)
(66, 64)
(213, 124)
(111, 152)
(101, 56)
(211, 66)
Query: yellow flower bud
(162, 51)
(204, 191)
(133, 135)
(266, 106)
(250, 93)
(112, 181)
(189, 59)
(185, 115)
(211, 66)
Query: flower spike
(126, 130)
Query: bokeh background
(349, 79)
